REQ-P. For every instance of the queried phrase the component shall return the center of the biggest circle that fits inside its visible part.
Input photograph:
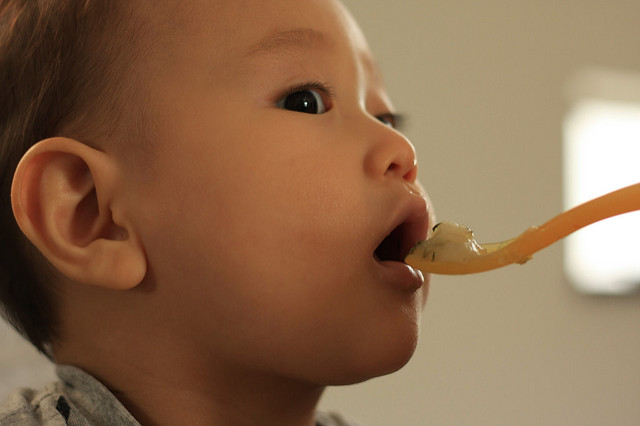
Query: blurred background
(487, 85)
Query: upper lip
(409, 225)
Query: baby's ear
(64, 199)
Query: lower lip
(402, 276)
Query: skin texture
(246, 230)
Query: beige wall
(483, 81)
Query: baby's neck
(182, 393)
(244, 402)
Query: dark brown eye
(307, 101)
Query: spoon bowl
(450, 257)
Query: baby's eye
(309, 99)
(390, 119)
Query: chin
(379, 360)
(369, 371)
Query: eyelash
(393, 120)
(324, 89)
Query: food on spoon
(450, 242)
(453, 250)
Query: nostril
(408, 173)
(411, 175)
(393, 168)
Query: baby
(209, 209)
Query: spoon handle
(614, 203)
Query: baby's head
(221, 180)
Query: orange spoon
(454, 251)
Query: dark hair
(61, 71)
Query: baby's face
(272, 182)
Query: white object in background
(601, 154)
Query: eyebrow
(283, 41)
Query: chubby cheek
(290, 296)
(271, 224)
(266, 250)
(304, 205)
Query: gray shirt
(78, 399)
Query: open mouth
(396, 245)
(410, 226)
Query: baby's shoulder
(77, 398)
(47, 406)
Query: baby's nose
(392, 155)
